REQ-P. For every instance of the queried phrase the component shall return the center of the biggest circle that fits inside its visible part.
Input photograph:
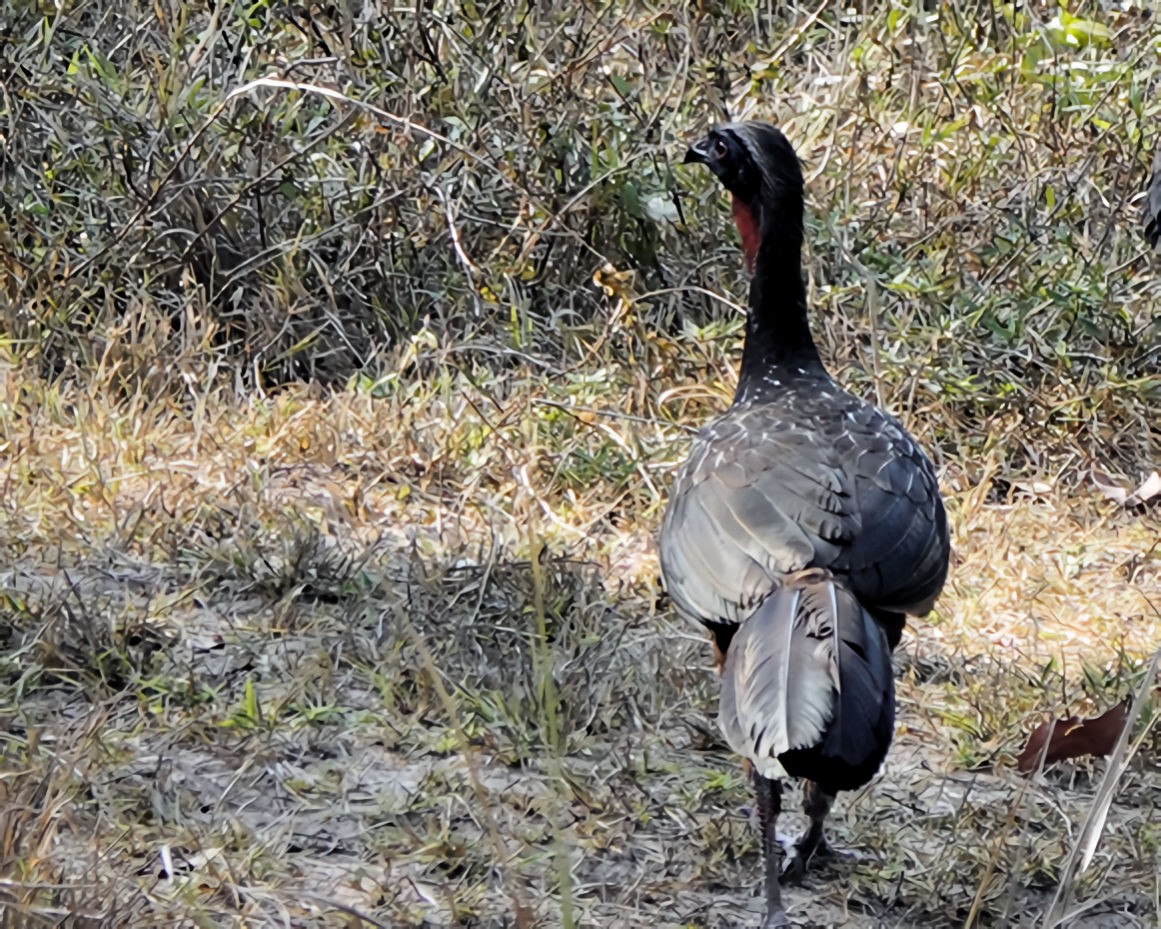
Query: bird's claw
(799, 854)
(793, 868)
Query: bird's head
(759, 168)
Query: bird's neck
(777, 332)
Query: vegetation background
(348, 351)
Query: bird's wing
(761, 496)
(899, 559)
(818, 478)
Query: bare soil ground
(334, 703)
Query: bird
(1151, 211)
(802, 530)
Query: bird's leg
(769, 793)
(816, 803)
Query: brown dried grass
(387, 647)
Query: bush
(257, 193)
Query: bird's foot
(826, 850)
(786, 840)
(776, 919)
(798, 856)
(793, 867)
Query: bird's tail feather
(807, 686)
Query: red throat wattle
(747, 225)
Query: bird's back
(803, 474)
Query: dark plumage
(1151, 211)
(804, 526)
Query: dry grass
(281, 662)
(383, 644)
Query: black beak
(698, 153)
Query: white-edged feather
(783, 676)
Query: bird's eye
(720, 149)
